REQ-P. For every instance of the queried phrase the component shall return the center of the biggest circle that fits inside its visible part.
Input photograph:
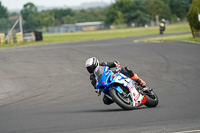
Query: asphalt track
(46, 88)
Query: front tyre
(121, 100)
(152, 99)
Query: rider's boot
(143, 86)
(139, 80)
(127, 71)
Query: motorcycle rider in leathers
(91, 65)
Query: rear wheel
(123, 100)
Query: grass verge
(104, 34)
(185, 37)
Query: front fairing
(106, 78)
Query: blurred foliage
(192, 15)
(127, 12)
(30, 16)
(3, 18)
(158, 7)
(3, 11)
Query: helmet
(91, 64)
(163, 20)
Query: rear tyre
(121, 100)
(152, 99)
(161, 32)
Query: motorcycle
(162, 27)
(123, 90)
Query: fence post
(10, 38)
(2, 38)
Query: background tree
(3, 18)
(3, 11)
(158, 7)
(192, 15)
(179, 7)
(119, 18)
(45, 19)
(139, 16)
(31, 17)
(130, 11)
(58, 14)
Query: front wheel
(152, 99)
(123, 101)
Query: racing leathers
(124, 70)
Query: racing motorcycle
(123, 90)
(162, 27)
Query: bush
(192, 17)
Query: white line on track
(192, 131)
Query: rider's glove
(98, 91)
(104, 64)
(118, 66)
(116, 63)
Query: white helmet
(163, 20)
(91, 64)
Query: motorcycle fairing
(106, 78)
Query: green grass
(185, 37)
(104, 34)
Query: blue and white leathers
(107, 80)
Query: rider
(91, 65)
(162, 26)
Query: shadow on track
(106, 110)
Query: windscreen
(99, 71)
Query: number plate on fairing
(135, 95)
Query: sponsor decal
(114, 76)
(144, 100)
(130, 86)
(137, 104)
(106, 69)
(136, 98)
(88, 62)
(134, 94)
(107, 73)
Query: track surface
(46, 88)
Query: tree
(139, 14)
(47, 19)
(111, 14)
(179, 7)
(157, 7)
(69, 19)
(192, 15)
(3, 18)
(127, 11)
(119, 18)
(58, 14)
(3, 11)
(31, 17)
(29, 8)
